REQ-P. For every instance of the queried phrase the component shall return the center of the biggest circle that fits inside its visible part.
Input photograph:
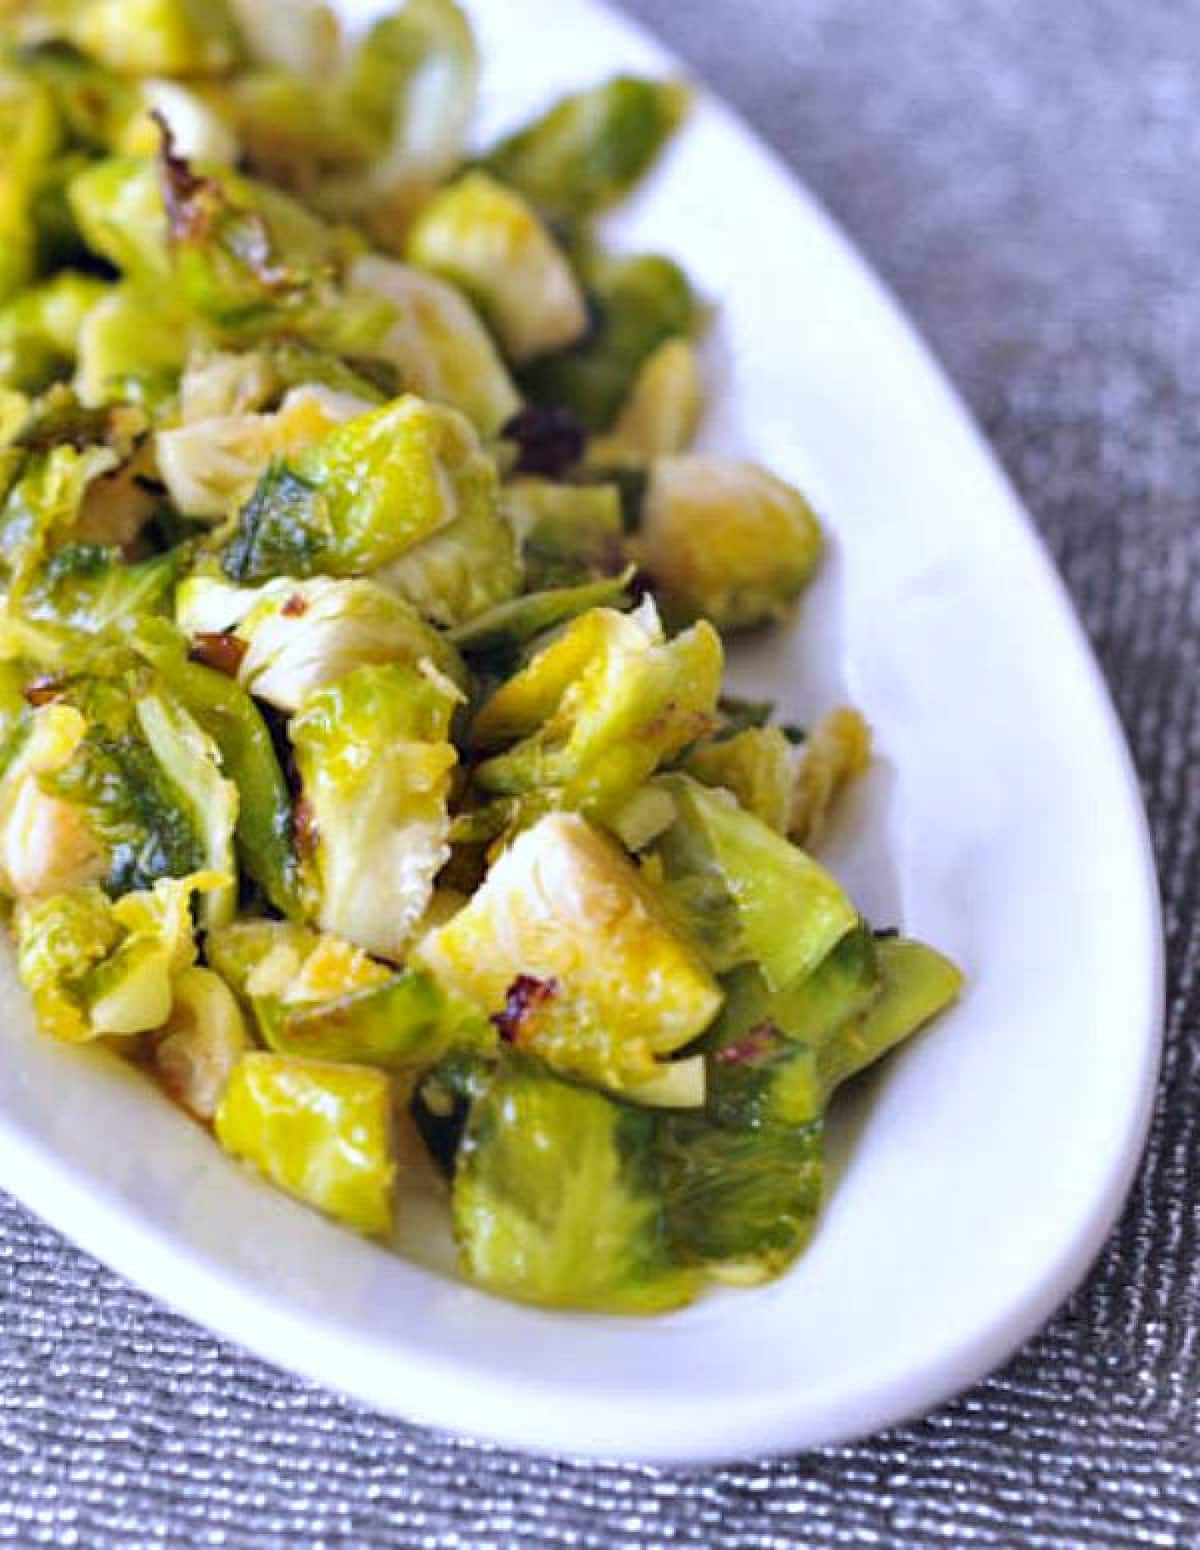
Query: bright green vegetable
(638, 304)
(362, 496)
(39, 329)
(603, 986)
(487, 240)
(44, 504)
(131, 348)
(599, 709)
(661, 413)
(156, 37)
(88, 587)
(744, 891)
(557, 1198)
(508, 626)
(375, 761)
(590, 148)
(756, 765)
(727, 540)
(322, 1132)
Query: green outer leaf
(511, 625)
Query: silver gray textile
(1024, 172)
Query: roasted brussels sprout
(662, 412)
(837, 750)
(745, 892)
(375, 760)
(201, 1041)
(156, 37)
(590, 148)
(566, 943)
(568, 534)
(598, 709)
(557, 1198)
(757, 766)
(727, 540)
(131, 348)
(320, 1131)
(40, 329)
(487, 240)
(46, 846)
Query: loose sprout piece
(596, 711)
(557, 1199)
(726, 540)
(320, 1131)
(590, 148)
(486, 239)
(375, 762)
(340, 776)
(569, 947)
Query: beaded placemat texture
(1024, 174)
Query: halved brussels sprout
(211, 466)
(375, 761)
(742, 1203)
(599, 708)
(591, 147)
(363, 496)
(202, 1041)
(557, 1198)
(837, 750)
(94, 967)
(39, 329)
(320, 1131)
(662, 412)
(295, 637)
(156, 37)
(757, 766)
(568, 533)
(437, 343)
(744, 891)
(487, 240)
(569, 947)
(46, 846)
(725, 539)
(637, 304)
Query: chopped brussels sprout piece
(836, 751)
(320, 1131)
(508, 626)
(638, 304)
(662, 412)
(264, 827)
(46, 846)
(211, 466)
(557, 1198)
(725, 539)
(273, 964)
(299, 636)
(757, 766)
(117, 204)
(192, 764)
(744, 891)
(741, 1203)
(156, 37)
(487, 240)
(590, 148)
(599, 708)
(566, 943)
(362, 496)
(568, 533)
(202, 1041)
(406, 1022)
(300, 37)
(94, 967)
(39, 329)
(375, 764)
(918, 983)
(437, 343)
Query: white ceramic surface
(991, 1157)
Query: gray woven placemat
(1023, 172)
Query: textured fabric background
(1024, 172)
